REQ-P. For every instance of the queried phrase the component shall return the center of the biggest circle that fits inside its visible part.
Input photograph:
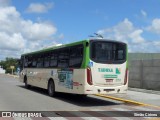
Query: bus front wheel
(26, 83)
(51, 88)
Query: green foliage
(9, 62)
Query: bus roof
(55, 47)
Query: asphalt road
(15, 97)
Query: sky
(29, 25)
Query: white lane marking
(57, 118)
(144, 108)
(122, 118)
(90, 118)
(22, 118)
(121, 109)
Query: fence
(144, 74)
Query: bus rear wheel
(51, 88)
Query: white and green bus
(96, 66)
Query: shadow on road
(75, 99)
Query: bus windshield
(108, 52)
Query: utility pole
(12, 67)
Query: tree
(9, 62)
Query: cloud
(13, 42)
(9, 19)
(18, 35)
(136, 36)
(4, 3)
(156, 43)
(123, 31)
(39, 7)
(37, 31)
(155, 26)
(11, 22)
(143, 13)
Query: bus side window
(34, 61)
(26, 61)
(53, 59)
(63, 58)
(40, 61)
(76, 56)
(46, 60)
(29, 61)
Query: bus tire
(51, 88)
(26, 83)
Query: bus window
(76, 56)
(46, 60)
(40, 61)
(34, 61)
(103, 52)
(63, 57)
(25, 61)
(53, 59)
(28, 61)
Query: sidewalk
(141, 95)
(15, 76)
(144, 90)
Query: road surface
(15, 97)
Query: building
(144, 70)
(143, 56)
(2, 71)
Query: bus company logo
(105, 69)
(118, 71)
